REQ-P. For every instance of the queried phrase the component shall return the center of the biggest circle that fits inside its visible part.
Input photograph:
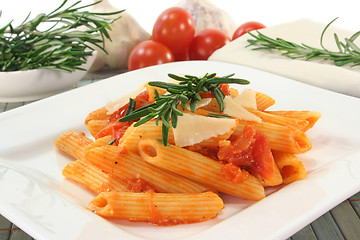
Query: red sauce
(210, 152)
(232, 173)
(156, 217)
(138, 185)
(117, 129)
(250, 151)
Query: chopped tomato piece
(250, 151)
(117, 129)
(225, 88)
(232, 173)
(119, 113)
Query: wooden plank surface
(325, 228)
(347, 220)
(305, 233)
(5, 227)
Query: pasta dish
(166, 153)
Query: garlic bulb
(206, 15)
(126, 33)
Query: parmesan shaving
(247, 99)
(234, 109)
(113, 106)
(203, 102)
(192, 128)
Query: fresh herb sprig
(349, 52)
(165, 107)
(61, 45)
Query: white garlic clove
(206, 15)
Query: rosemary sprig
(349, 52)
(54, 40)
(165, 107)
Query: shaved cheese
(192, 128)
(247, 98)
(113, 106)
(203, 102)
(234, 109)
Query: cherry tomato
(247, 27)
(174, 28)
(149, 53)
(182, 55)
(206, 42)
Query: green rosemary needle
(348, 52)
(165, 107)
(61, 45)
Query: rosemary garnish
(112, 142)
(349, 52)
(215, 115)
(131, 107)
(165, 107)
(61, 46)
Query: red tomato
(182, 55)
(247, 27)
(174, 28)
(206, 42)
(250, 150)
(149, 53)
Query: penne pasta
(263, 101)
(198, 168)
(99, 114)
(158, 208)
(73, 143)
(116, 161)
(283, 120)
(291, 168)
(310, 116)
(133, 135)
(92, 177)
(95, 126)
(100, 142)
(281, 138)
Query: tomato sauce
(138, 185)
(117, 129)
(250, 151)
(156, 217)
(232, 173)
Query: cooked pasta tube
(311, 116)
(100, 142)
(133, 135)
(158, 208)
(73, 143)
(281, 120)
(93, 178)
(263, 101)
(281, 138)
(95, 126)
(98, 114)
(199, 168)
(118, 162)
(291, 168)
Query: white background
(269, 12)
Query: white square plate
(37, 198)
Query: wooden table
(342, 222)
